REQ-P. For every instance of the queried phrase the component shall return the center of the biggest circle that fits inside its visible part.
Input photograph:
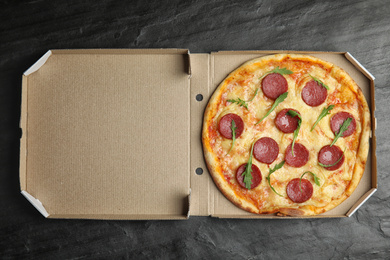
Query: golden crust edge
(364, 145)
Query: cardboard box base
(116, 134)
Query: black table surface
(29, 28)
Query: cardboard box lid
(116, 134)
(106, 134)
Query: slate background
(29, 28)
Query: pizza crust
(216, 159)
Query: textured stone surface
(29, 28)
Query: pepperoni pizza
(287, 134)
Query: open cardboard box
(116, 134)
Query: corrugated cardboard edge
(373, 169)
(38, 205)
(118, 217)
(24, 116)
(23, 141)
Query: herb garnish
(319, 82)
(248, 171)
(326, 166)
(282, 71)
(280, 99)
(233, 134)
(240, 102)
(316, 179)
(277, 167)
(343, 128)
(243, 103)
(257, 89)
(296, 132)
(324, 113)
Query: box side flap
(121, 51)
(36, 203)
(374, 126)
(361, 201)
(103, 129)
(184, 52)
(268, 52)
(38, 64)
(374, 179)
(200, 179)
(254, 216)
(23, 140)
(225, 62)
(120, 217)
(359, 66)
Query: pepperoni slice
(300, 158)
(274, 85)
(329, 155)
(225, 125)
(294, 192)
(256, 176)
(266, 150)
(285, 122)
(314, 94)
(337, 121)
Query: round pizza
(287, 134)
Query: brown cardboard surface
(116, 134)
(200, 184)
(102, 137)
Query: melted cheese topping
(243, 84)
